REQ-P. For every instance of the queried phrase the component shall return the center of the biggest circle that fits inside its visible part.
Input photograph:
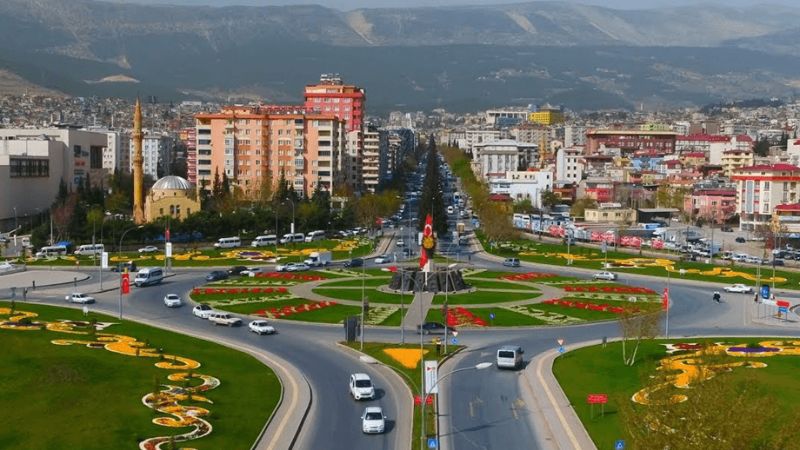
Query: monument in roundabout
(426, 278)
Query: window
(29, 168)
(766, 185)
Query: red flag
(166, 235)
(427, 237)
(665, 300)
(125, 283)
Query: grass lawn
(374, 295)
(412, 378)
(610, 376)
(487, 274)
(479, 297)
(490, 284)
(75, 397)
(251, 308)
(331, 314)
(368, 282)
(585, 314)
(217, 297)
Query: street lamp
(479, 366)
(446, 305)
(120, 249)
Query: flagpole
(666, 295)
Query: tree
(761, 147)
(550, 199)
(580, 205)
(432, 201)
(635, 327)
(524, 206)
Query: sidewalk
(42, 278)
(418, 310)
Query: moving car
(236, 270)
(223, 318)
(740, 240)
(217, 275)
(373, 420)
(355, 262)
(261, 327)
(148, 249)
(253, 271)
(361, 387)
(400, 243)
(608, 276)
(511, 262)
(292, 267)
(172, 301)
(77, 297)
(509, 357)
(739, 288)
(383, 259)
(434, 328)
(202, 311)
(130, 266)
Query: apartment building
(188, 137)
(332, 96)
(736, 159)
(760, 188)
(376, 143)
(156, 155)
(569, 165)
(630, 141)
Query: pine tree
(216, 188)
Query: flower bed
(290, 276)
(527, 276)
(459, 316)
(277, 313)
(611, 289)
(588, 305)
(237, 291)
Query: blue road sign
(491, 316)
(783, 309)
(432, 443)
(454, 341)
(619, 444)
(764, 291)
(561, 349)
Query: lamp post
(120, 248)
(479, 366)
(446, 305)
(402, 313)
(16, 224)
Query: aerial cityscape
(275, 225)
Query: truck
(319, 259)
(460, 227)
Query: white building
(494, 116)
(31, 171)
(760, 188)
(375, 145)
(574, 135)
(478, 137)
(116, 155)
(569, 165)
(521, 185)
(156, 154)
(498, 157)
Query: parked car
(236, 270)
(400, 243)
(740, 240)
(261, 327)
(355, 262)
(383, 259)
(172, 301)
(373, 421)
(434, 328)
(223, 318)
(202, 311)
(361, 387)
(511, 262)
(148, 249)
(778, 262)
(727, 229)
(77, 297)
(121, 267)
(608, 276)
(739, 288)
(217, 275)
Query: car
(361, 387)
(223, 318)
(253, 271)
(148, 249)
(383, 259)
(756, 238)
(400, 243)
(511, 262)
(608, 276)
(202, 311)
(217, 275)
(172, 301)
(355, 262)
(434, 328)
(130, 266)
(778, 262)
(740, 240)
(373, 421)
(77, 297)
(727, 229)
(288, 267)
(236, 270)
(261, 327)
(739, 288)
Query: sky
(355, 4)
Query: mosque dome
(172, 182)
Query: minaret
(138, 176)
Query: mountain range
(456, 57)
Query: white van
(509, 357)
(289, 237)
(90, 249)
(149, 276)
(228, 242)
(264, 241)
(53, 250)
(317, 235)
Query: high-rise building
(760, 188)
(332, 96)
(547, 115)
(156, 155)
(375, 144)
(189, 138)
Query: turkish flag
(125, 283)
(427, 232)
(665, 300)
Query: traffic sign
(454, 341)
(597, 399)
(561, 349)
(764, 291)
(783, 309)
(432, 443)
(560, 341)
(783, 303)
(619, 444)
(491, 316)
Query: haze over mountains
(459, 57)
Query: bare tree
(636, 327)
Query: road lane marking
(552, 399)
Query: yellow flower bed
(407, 357)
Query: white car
(223, 318)
(261, 327)
(172, 301)
(361, 386)
(373, 420)
(148, 249)
(608, 276)
(202, 311)
(77, 297)
(298, 267)
(400, 243)
(739, 288)
(383, 259)
(251, 272)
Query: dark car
(355, 262)
(121, 267)
(778, 262)
(433, 328)
(217, 275)
(236, 270)
(727, 229)
(740, 240)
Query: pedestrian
(755, 297)
(717, 297)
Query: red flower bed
(290, 276)
(293, 310)
(254, 290)
(587, 305)
(527, 276)
(459, 316)
(611, 289)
